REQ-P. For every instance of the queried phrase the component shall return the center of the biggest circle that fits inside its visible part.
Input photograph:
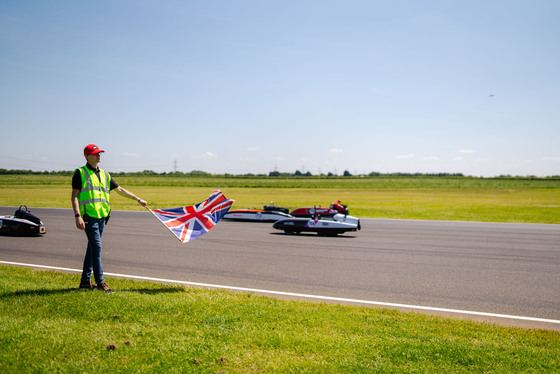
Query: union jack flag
(191, 222)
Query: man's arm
(76, 208)
(123, 192)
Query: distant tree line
(297, 173)
(23, 172)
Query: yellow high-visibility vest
(94, 197)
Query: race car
(22, 223)
(334, 208)
(324, 226)
(269, 213)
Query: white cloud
(459, 158)
(481, 161)
(554, 159)
(406, 157)
(431, 158)
(252, 149)
(208, 155)
(336, 150)
(128, 154)
(466, 151)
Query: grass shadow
(40, 292)
(45, 292)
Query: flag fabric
(191, 222)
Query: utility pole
(175, 166)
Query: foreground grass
(462, 199)
(46, 325)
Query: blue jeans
(94, 231)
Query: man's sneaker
(102, 286)
(87, 285)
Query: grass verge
(47, 325)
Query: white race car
(328, 226)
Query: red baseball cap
(92, 149)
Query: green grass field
(47, 325)
(463, 199)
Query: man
(91, 188)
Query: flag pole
(167, 227)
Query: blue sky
(253, 86)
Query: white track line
(292, 294)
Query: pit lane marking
(302, 295)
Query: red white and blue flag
(191, 222)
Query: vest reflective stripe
(95, 188)
(94, 197)
(92, 201)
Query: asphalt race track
(504, 269)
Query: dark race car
(269, 213)
(22, 223)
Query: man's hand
(80, 224)
(143, 203)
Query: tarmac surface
(494, 268)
